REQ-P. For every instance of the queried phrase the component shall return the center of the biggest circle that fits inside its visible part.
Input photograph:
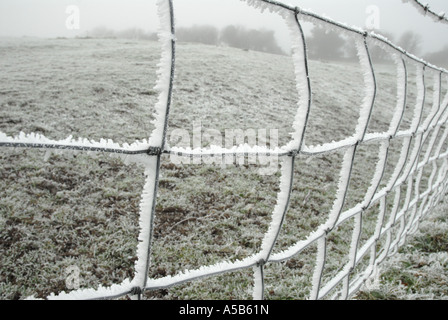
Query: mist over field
(73, 212)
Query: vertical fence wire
(407, 210)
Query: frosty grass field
(64, 210)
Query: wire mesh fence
(399, 203)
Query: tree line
(262, 40)
(322, 44)
(330, 45)
(234, 36)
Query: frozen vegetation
(60, 210)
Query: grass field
(63, 210)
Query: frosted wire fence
(407, 174)
(426, 10)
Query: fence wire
(420, 150)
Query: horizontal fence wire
(402, 186)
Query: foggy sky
(47, 18)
